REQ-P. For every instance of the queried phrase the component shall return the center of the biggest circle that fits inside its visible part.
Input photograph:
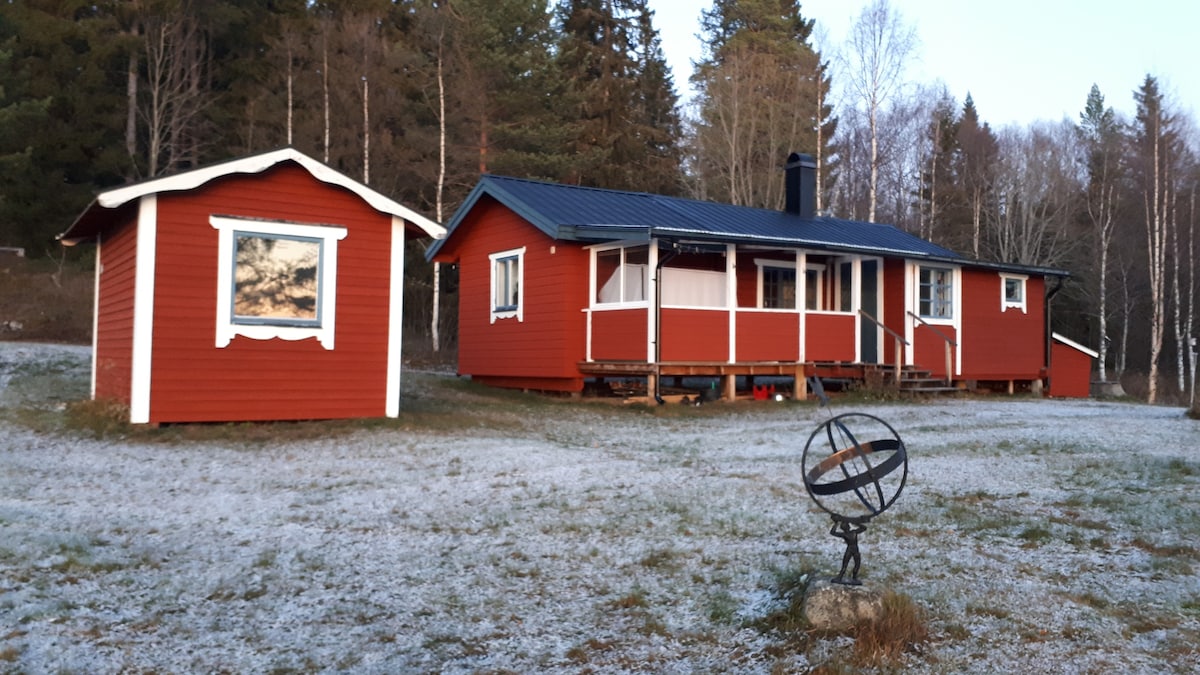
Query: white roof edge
(257, 164)
(1071, 343)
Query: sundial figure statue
(853, 480)
(849, 533)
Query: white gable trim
(189, 180)
(1075, 345)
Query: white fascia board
(189, 180)
(1075, 345)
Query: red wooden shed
(265, 288)
(560, 284)
(1070, 368)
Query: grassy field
(494, 532)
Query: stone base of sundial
(832, 606)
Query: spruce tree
(763, 94)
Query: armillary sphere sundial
(855, 466)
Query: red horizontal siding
(1070, 372)
(768, 336)
(929, 349)
(619, 335)
(829, 337)
(1001, 344)
(550, 339)
(694, 335)
(894, 312)
(193, 380)
(562, 384)
(114, 321)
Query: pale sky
(1021, 60)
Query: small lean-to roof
(573, 213)
(93, 219)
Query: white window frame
(763, 263)
(228, 228)
(648, 289)
(819, 268)
(950, 303)
(1005, 302)
(506, 312)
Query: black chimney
(801, 179)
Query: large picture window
(622, 275)
(936, 294)
(507, 286)
(276, 280)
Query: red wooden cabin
(560, 283)
(265, 288)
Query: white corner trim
(226, 329)
(395, 319)
(143, 310)
(189, 180)
(1075, 345)
(96, 308)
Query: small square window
(622, 275)
(1012, 289)
(507, 291)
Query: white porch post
(802, 299)
(652, 304)
(731, 297)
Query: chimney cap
(797, 159)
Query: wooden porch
(906, 379)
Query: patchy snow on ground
(1036, 536)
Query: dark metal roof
(573, 213)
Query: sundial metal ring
(855, 466)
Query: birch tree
(1100, 133)
(175, 96)
(1154, 140)
(879, 49)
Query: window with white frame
(276, 279)
(814, 287)
(622, 275)
(935, 298)
(776, 284)
(1012, 292)
(507, 287)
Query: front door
(869, 301)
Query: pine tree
(978, 151)
(763, 94)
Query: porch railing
(950, 345)
(897, 340)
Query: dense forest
(416, 98)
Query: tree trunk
(441, 184)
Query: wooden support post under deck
(651, 384)
(800, 384)
(730, 385)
